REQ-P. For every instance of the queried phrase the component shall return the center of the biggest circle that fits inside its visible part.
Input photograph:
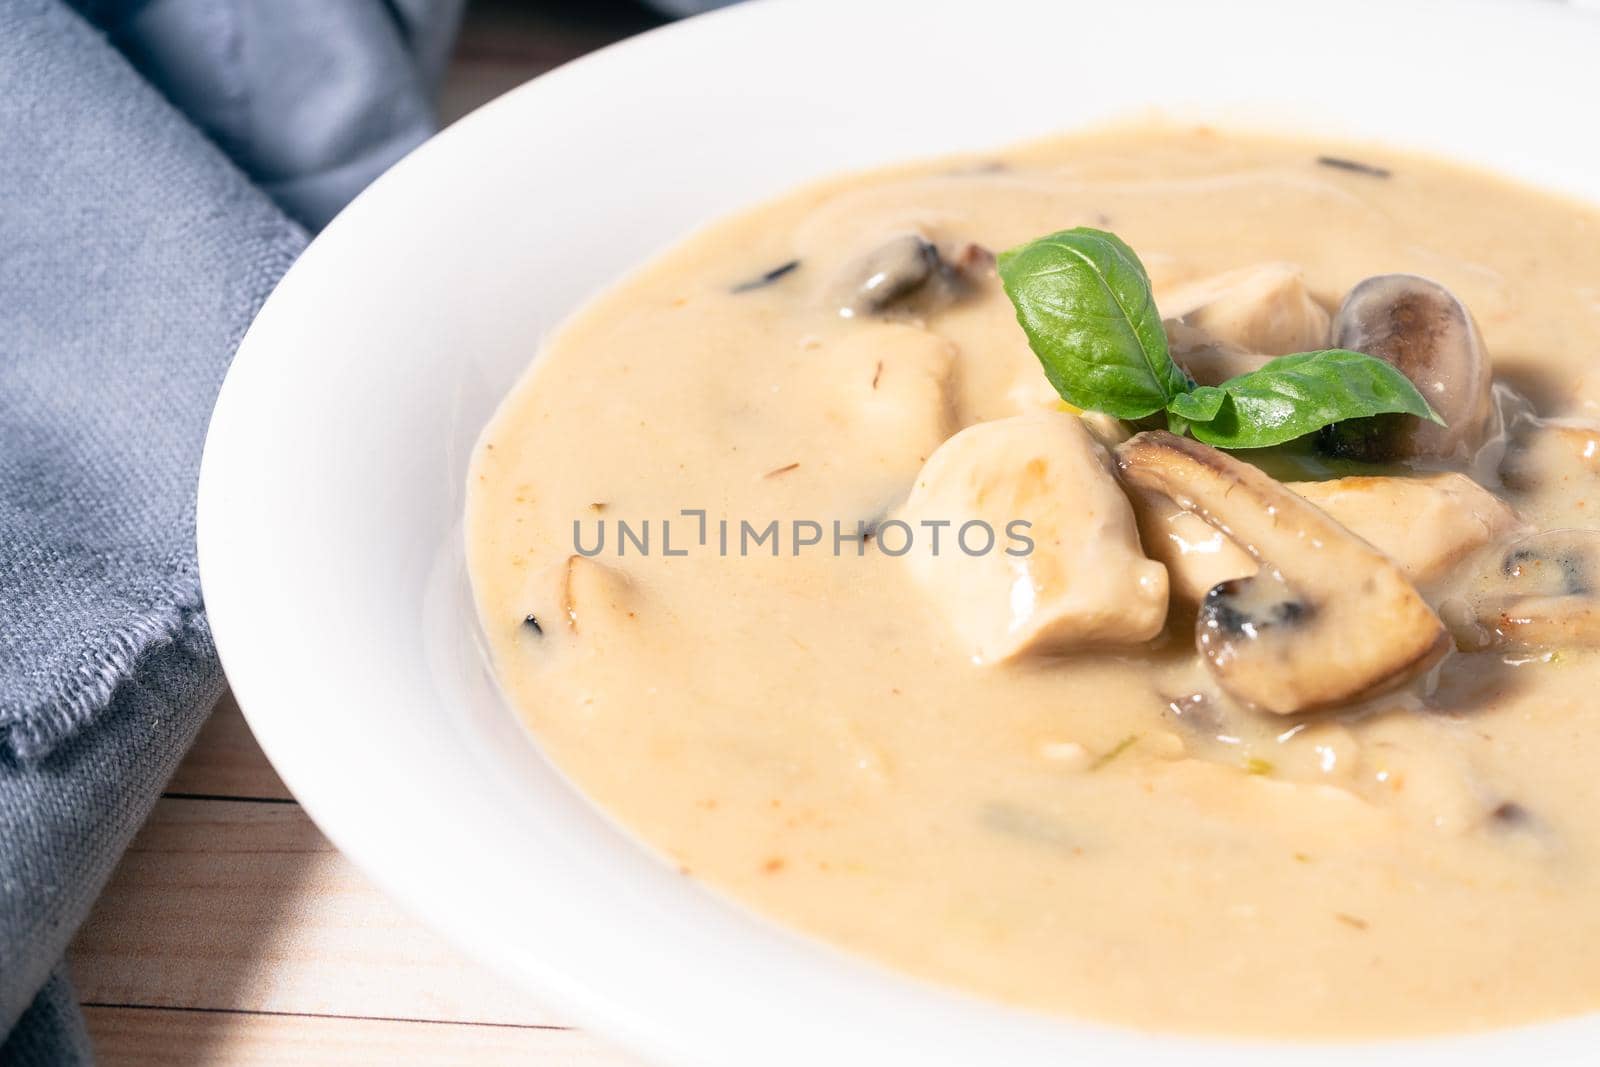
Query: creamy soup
(1110, 774)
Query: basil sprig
(1084, 300)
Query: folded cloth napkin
(134, 250)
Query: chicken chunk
(1425, 525)
(1083, 583)
(889, 403)
(1207, 360)
(1325, 620)
(1264, 309)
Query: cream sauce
(1094, 834)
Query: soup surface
(1064, 805)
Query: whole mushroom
(908, 273)
(1428, 334)
(1326, 620)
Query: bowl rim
(271, 697)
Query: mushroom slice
(1264, 309)
(1326, 620)
(1427, 525)
(1083, 582)
(1197, 555)
(1542, 592)
(1429, 336)
(908, 273)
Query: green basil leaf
(1083, 298)
(1200, 404)
(1292, 396)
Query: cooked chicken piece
(1426, 525)
(1031, 391)
(1326, 620)
(1107, 429)
(1419, 767)
(1429, 336)
(1265, 309)
(1543, 592)
(1207, 360)
(1084, 583)
(892, 399)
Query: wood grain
(244, 906)
(233, 932)
(505, 42)
(226, 761)
(134, 1037)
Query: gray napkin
(134, 250)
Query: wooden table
(233, 932)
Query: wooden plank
(246, 906)
(131, 1037)
(226, 761)
(227, 920)
(503, 43)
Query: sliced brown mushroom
(1421, 328)
(908, 273)
(1326, 620)
(1542, 592)
(1427, 525)
(1197, 555)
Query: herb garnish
(1355, 166)
(1084, 300)
(1112, 753)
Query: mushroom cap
(1326, 620)
(907, 274)
(1542, 592)
(1426, 333)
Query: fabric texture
(311, 98)
(684, 8)
(134, 251)
(49, 1035)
